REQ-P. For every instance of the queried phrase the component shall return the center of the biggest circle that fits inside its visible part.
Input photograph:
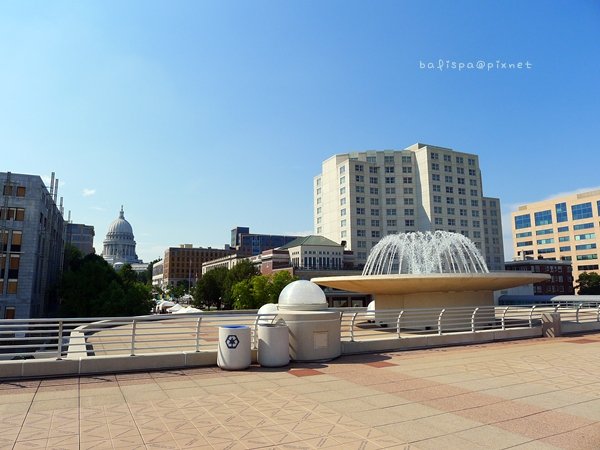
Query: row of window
(17, 214)
(448, 158)
(578, 212)
(12, 190)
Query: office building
(81, 237)
(361, 197)
(563, 228)
(32, 240)
(249, 244)
(184, 263)
(560, 271)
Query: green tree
(588, 283)
(92, 288)
(243, 270)
(279, 280)
(260, 289)
(208, 292)
(241, 292)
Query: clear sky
(201, 116)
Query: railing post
(255, 337)
(132, 353)
(60, 340)
(440, 321)
(577, 312)
(504, 318)
(398, 323)
(352, 322)
(531, 316)
(598, 314)
(556, 307)
(473, 320)
(198, 333)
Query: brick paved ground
(535, 394)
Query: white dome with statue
(119, 244)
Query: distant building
(563, 228)
(82, 237)
(184, 263)
(32, 240)
(119, 244)
(560, 271)
(317, 253)
(157, 274)
(248, 244)
(360, 197)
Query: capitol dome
(119, 244)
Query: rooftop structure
(119, 244)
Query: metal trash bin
(233, 352)
(273, 345)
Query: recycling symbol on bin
(232, 341)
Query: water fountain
(428, 270)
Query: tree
(588, 283)
(260, 289)
(92, 288)
(279, 280)
(243, 270)
(209, 290)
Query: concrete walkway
(536, 394)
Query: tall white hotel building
(360, 197)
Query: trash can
(233, 352)
(273, 345)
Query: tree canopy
(588, 283)
(254, 292)
(90, 287)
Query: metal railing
(360, 324)
(87, 337)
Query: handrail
(398, 323)
(531, 316)
(473, 320)
(504, 318)
(352, 323)
(199, 320)
(133, 338)
(577, 312)
(440, 321)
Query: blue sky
(201, 116)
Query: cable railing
(74, 338)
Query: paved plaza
(533, 394)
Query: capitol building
(119, 244)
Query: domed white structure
(119, 245)
(302, 295)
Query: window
(564, 239)
(373, 180)
(460, 160)
(342, 223)
(373, 169)
(448, 179)
(462, 201)
(388, 159)
(452, 222)
(375, 234)
(476, 223)
(409, 223)
(390, 180)
(407, 180)
(342, 170)
(360, 178)
(449, 190)
(566, 248)
(360, 200)
(435, 155)
(474, 192)
(437, 199)
(359, 168)
(583, 226)
(343, 180)
(474, 213)
(390, 190)
(541, 232)
(409, 201)
(360, 211)
(471, 162)
(406, 190)
(581, 211)
(522, 235)
(463, 212)
(450, 200)
(392, 222)
(360, 189)
(371, 159)
(447, 158)
(406, 159)
(439, 221)
(343, 212)
(407, 169)
(389, 169)
(374, 201)
(545, 241)
(587, 257)
(582, 237)
(524, 244)
(464, 223)
(374, 212)
(342, 201)
(390, 212)
(585, 246)
(543, 217)
(409, 212)
(460, 170)
(462, 191)
(561, 212)
(522, 221)
(435, 166)
(392, 201)
(588, 267)
(450, 211)
(342, 191)
(460, 180)
(437, 188)
(543, 251)
(374, 191)
(437, 210)
(361, 233)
